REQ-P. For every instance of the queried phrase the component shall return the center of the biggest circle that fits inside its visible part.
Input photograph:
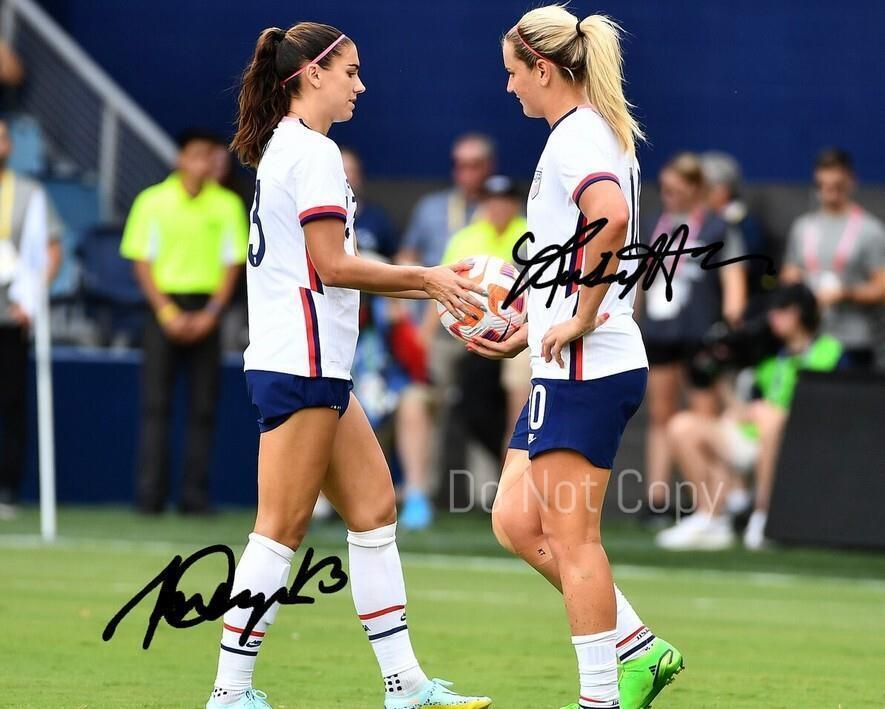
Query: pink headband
(314, 61)
(529, 47)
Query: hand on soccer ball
(442, 283)
(515, 343)
(562, 333)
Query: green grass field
(788, 628)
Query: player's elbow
(330, 274)
(618, 219)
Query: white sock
(379, 596)
(263, 568)
(633, 638)
(597, 669)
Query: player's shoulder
(296, 144)
(586, 123)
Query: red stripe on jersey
(233, 629)
(576, 359)
(312, 331)
(589, 180)
(595, 701)
(383, 611)
(308, 215)
(577, 259)
(315, 283)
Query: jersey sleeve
(320, 185)
(584, 159)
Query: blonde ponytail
(585, 51)
(604, 78)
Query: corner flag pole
(45, 418)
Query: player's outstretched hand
(515, 343)
(562, 333)
(442, 283)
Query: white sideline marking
(487, 564)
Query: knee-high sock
(633, 638)
(379, 596)
(597, 669)
(263, 568)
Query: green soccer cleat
(252, 699)
(642, 679)
(437, 695)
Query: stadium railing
(88, 121)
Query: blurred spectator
(466, 388)
(229, 174)
(497, 226)
(838, 250)
(495, 232)
(187, 236)
(12, 74)
(673, 329)
(712, 452)
(374, 230)
(439, 215)
(722, 175)
(29, 253)
(226, 172)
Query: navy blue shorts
(277, 396)
(584, 416)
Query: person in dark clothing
(187, 236)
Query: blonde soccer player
(304, 275)
(589, 367)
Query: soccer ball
(497, 278)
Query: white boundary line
(489, 564)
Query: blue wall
(771, 82)
(96, 403)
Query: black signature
(652, 260)
(172, 605)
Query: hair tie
(578, 29)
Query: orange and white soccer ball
(497, 278)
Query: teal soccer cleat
(251, 699)
(436, 695)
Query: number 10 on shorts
(537, 404)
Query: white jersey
(298, 325)
(581, 150)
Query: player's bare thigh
(358, 483)
(292, 462)
(571, 491)
(516, 520)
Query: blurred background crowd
(145, 250)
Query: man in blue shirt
(440, 214)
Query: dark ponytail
(262, 101)
(264, 98)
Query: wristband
(167, 313)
